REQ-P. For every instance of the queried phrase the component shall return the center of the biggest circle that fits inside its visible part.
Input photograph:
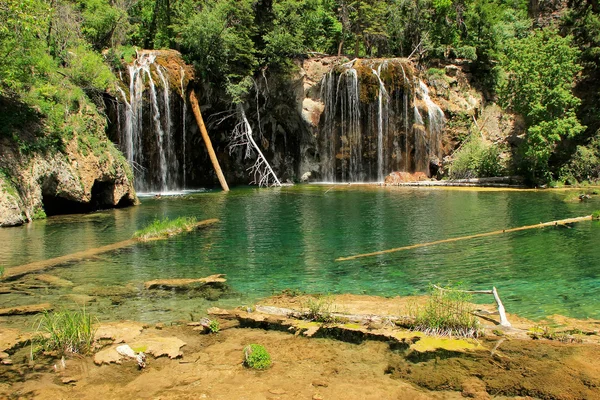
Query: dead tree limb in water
(562, 222)
(207, 142)
(241, 136)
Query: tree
(540, 75)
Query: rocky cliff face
(88, 175)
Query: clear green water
(274, 239)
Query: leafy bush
(448, 312)
(256, 357)
(65, 332)
(476, 159)
(584, 164)
(165, 227)
(596, 215)
(214, 326)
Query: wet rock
(108, 356)
(185, 284)
(160, 346)
(10, 210)
(53, 280)
(119, 332)
(26, 310)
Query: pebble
(320, 383)
(277, 391)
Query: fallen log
(478, 235)
(26, 310)
(17, 272)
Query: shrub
(596, 215)
(448, 312)
(476, 159)
(214, 327)
(256, 357)
(584, 164)
(65, 332)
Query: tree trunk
(207, 142)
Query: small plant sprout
(214, 327)
(256, 357)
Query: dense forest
(536, 58)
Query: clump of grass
(596, 215)
(319, 309)
(1, 271)
(65, 332)
(165, 228)
(448, 312)
(256, 357)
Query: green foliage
(256, 357)
(214, 326)
(165, 228)
(1, 271)
(476, 159)
(65, 332)
(540, 71)
(39, 213)
(104, 23)
(584, 164)
(448, 312)
(596, 215)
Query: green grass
(448, 312)
(319, 309)
(596, 215)
(1, 271)
(256, 357)
(65, 332)
(165, 228)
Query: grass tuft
(66, 332)
(319, 309)
(164, 228)
(596, 215)
(448, 312)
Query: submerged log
(17, 272)
(26, 310)
(207, 142)
(478, 235)
(185, 284)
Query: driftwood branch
(501, 311)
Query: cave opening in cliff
(55, 205)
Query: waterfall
(184, 113)
(381, 121)
(148, 140)
(436, 119)
(329, 96)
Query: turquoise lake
(273, 239)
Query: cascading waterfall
(382, 120)
(367, 129)
(437, 120)
(183, 116)
(148, 139)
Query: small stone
(68, 380)
(159, 326)
(320, 383)
(317, 397)
(277, 391)
(7, 361)
(3, 355)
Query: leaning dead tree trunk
(261, 171)
(207, 142)
(501, 311)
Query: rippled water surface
(268, 240)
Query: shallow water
(274, 239)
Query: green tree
(540, 75)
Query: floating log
(184, 284)
(17, 272)
(25, 310)
(478, 235)
(207, 142)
